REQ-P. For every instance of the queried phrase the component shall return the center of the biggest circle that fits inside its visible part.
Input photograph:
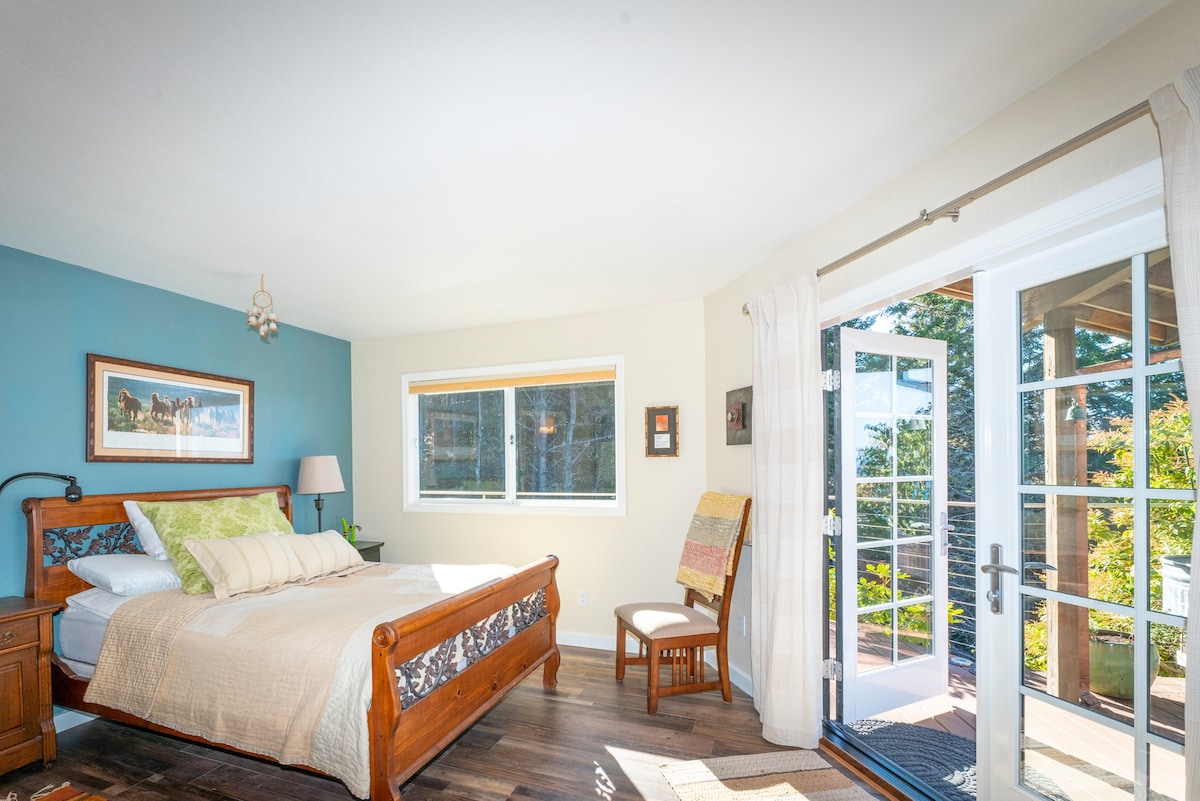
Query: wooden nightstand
(369, 550)
(26, 715)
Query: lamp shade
(319, 475)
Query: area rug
(791, 775)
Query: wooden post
(1066, 515)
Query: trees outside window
(517, 438)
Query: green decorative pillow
(179, 521)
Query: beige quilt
(285, 674)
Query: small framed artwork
(662, 430)
(138, 412)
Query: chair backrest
(713, 548)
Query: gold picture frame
(139, 412)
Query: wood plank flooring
(590, 738)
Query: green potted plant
(350, 531)
(1111, 654)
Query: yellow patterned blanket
(708, 550)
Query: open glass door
(892, 552)
(1087, 485)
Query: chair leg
(723, 668)
(620, 650)
(652, 680)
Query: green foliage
(1111, 530)
(876, 588)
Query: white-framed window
(546, 436)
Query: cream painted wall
(616, 559)
(1112, 79)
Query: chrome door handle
(995, 569)
(945, 528)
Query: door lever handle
(995, 569)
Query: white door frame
(865, 695)
(1103, 207)
(998, 436)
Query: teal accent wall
(53, 314)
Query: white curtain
(1176, 109)
(787, 442)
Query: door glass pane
(1171, 524)
(914, 446)
(1064, 756)
(914, 510)
(1167, 689)
(1079, 660)
(1166, 775)
(874, 511)
(914, 386)
(873, 383)
(1172, 461)
(915, 635)
(873, 447)
(913, 570)
(1162, 319)
(875, 640)
(874, 576)
(1083, 321)
(1078, 444)
(1089, 540)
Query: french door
(892, 550)
(1086, 487)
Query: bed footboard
(408, 728)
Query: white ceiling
(396, 167)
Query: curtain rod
(952, 208)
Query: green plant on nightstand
(350, 531)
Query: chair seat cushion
(660, 620)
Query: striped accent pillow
(323, 553)
(245, 564)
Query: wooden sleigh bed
(404, 733)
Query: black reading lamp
(73, 494)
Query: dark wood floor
(590, 738)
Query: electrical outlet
(742, 625)
(583, 597)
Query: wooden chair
(677, 634)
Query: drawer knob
(7, 635)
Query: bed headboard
(48, 518)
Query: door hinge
(831, 669)
(831, 380)
(833, 526)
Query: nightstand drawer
(18, 632)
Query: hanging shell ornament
(261, 314)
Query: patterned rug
(789, 775)
(943, 762)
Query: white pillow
(146, 533)
(234, 565)
(126, 573)
(323, 553)
(97, 601)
